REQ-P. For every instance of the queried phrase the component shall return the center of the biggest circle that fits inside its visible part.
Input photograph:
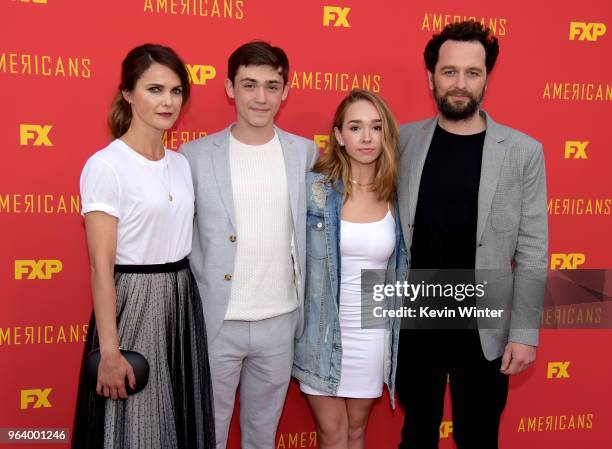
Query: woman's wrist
(109, 350)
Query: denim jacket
(318, 352)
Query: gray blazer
(512, 224)
(214, 233)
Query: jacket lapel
(222, 171)
(333, 214)
(493, 154)
(292, 170)
(421, 148)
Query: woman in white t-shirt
(138, 204)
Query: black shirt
(447, 208)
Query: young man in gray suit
(472, 196)
(249, 245)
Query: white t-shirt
(151, 229)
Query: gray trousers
(258, 355)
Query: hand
(112, 371)
(517, 357)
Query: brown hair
(467, 31)
(137, 61)
(336, 163)
(258, 53)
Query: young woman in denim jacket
(352, 224)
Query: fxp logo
(37, 269)
(586, 31)
(199, 74)
(446, 428)
(336, 16)
(570, 261)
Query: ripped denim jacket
(318, 352)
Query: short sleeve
(100, 188)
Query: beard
(458, 111)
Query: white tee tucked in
(263, 281)
(151, 229)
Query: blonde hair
(336, 163)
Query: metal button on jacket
(228, 277)
(232, 238)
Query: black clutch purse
(137, 360)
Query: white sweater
(263, 279)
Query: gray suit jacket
(512, 224)
(214, 233)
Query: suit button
(228, 277)
(232, 238)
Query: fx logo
(570, 261)
(40, 398)
(575, 149)
(336, 15)
(199, 74)
(446, 428)
(38, 133)
(322, 142)
(586, 31)
(558, 370)
(37, 269)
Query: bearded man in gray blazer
(249, 245)
(472, 196)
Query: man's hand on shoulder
(517, 357)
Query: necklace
(360, 184)
(162, 180)
(169, 181)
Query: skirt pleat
(160, 316)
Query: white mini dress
(362, 246)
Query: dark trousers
(478, 389)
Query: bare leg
(358, 411)
(330, 414)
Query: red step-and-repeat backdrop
(59, 69)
